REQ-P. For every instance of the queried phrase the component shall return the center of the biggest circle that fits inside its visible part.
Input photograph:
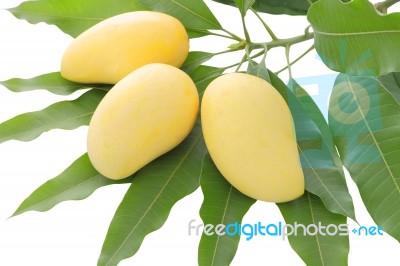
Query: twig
(285, 42)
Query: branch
(285, 42)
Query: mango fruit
(111, 49)
(146, 114)
(249, 133)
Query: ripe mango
(249, 133)
(146, 114)
(113, 48)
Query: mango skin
(111, 49)
(249, 133)
(145, 115)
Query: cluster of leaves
(362, 134)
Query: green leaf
(276, 7)
(204, 75)
(154, 190)
(392, 83)
(194, 14)
(222, 204)
(323, 177)
(316, 115)
(64, 115)
(77, 182)
(244, 5)
(259, 70)
(316, 249)
(194, 60)
(72, 16)
(353, 38)
(313, 111)
(52, 82)
(365, 121)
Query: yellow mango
(249, 133)
(111, 49)
(146, 114)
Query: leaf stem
(217, 34)
(234, 36)
(297, 59)
(287, 54)
(265, 53)
(310, 2)
(246, 32)
(238, 64)
(383, 6)
(269, 30)
(261, 53)
(243, 60)
(248, 52)
(223, 52)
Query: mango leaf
(316, 249)
(353, 38)
(259, 70)
(277, 7)
(244, 5)
(203, 75)
(77, 182)
(72, 16)
(154, 190)
(316, 115)
(365, 121)
(314, 112)
(64, 115)
(323, 177)
(222, 204)
(194, 14)
(392, 83)
(52, 82)
(194, 60)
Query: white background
(72, 233)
